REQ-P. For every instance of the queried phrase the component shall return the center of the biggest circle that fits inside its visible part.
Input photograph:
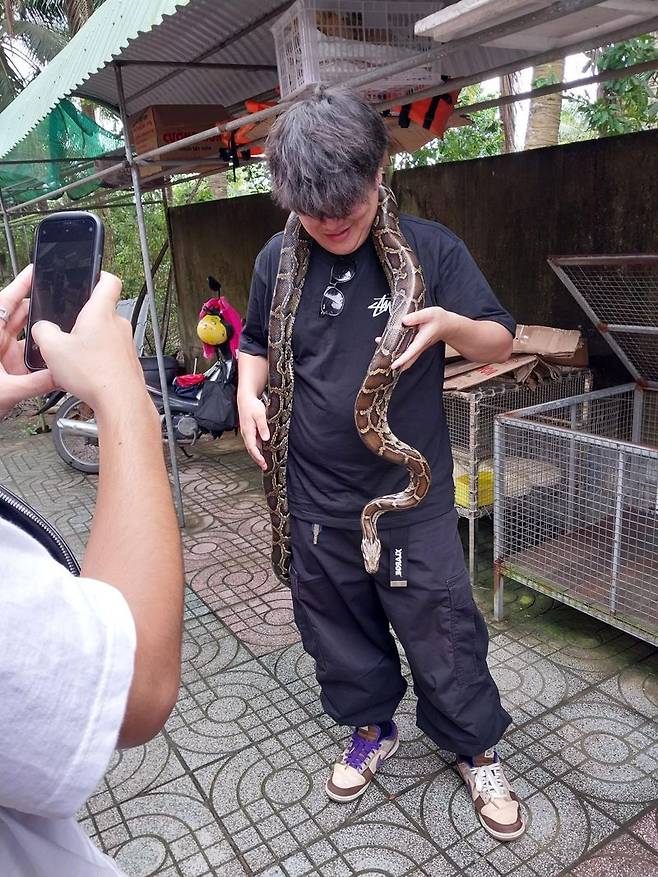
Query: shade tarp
(66, 133)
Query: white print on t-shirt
(380, 306)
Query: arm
(135, 542)
(252, 363)
(465, 313)
(478, 340)
(252, 380)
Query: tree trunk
(544, 117)
(508, 86)
(218, 185)
(88, 110)
(77, 13)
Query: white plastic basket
(328, 41)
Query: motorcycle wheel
(80, 452)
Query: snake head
(371, 549)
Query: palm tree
(32, 32)
(26, 45)
(544, 116)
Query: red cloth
(189, 380)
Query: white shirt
(67, 649)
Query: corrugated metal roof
(217, 31)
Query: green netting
(65, 133)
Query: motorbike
(200, 404)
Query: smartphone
(68, 252)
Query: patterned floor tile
(263, 623)
(590, 648)
(529, 683)
(560, 828)
(235, 787)
(620, 857)
(208, 647)
(637, 686)
(239, 707)
(367, 847)
(134, 772)
(606, 752)
(271, 797)
(168, 831)
(646, 828)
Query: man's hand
(97, 362)
(16, 383)
(253, 426)
(477, 340)
(432, 324)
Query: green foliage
(483, 137)
(628, 104)
(32, 32)
(25, 46)
(573, 127)
(541, 81)
(250, 179)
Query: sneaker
(367, 749)
(497, 807)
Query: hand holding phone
(15, 383)
(67, 264)
(97, 361)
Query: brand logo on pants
(398, 562)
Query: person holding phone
(88, 662)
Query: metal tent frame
(133, 161)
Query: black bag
(217, 407)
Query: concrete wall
(512, 210)
(221, 238)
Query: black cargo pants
(343, 615)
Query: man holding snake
(352, 303)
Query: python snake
(405, 278)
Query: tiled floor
(234, 785)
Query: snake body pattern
(405, 278)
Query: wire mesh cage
(470, 415)
(326, 41)
(576, 485)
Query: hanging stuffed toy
(214, 314)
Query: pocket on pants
(303, 621)
(465, 633)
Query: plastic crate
(328, 41)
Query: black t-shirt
(331, 473)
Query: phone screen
(66, 262)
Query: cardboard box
(161, 125)
(460, 367)
(567, 347)
(519, 368)
(578, 359)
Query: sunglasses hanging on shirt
(333, 298)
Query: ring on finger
(5, 315)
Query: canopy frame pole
(9, 233)
(150, 289)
